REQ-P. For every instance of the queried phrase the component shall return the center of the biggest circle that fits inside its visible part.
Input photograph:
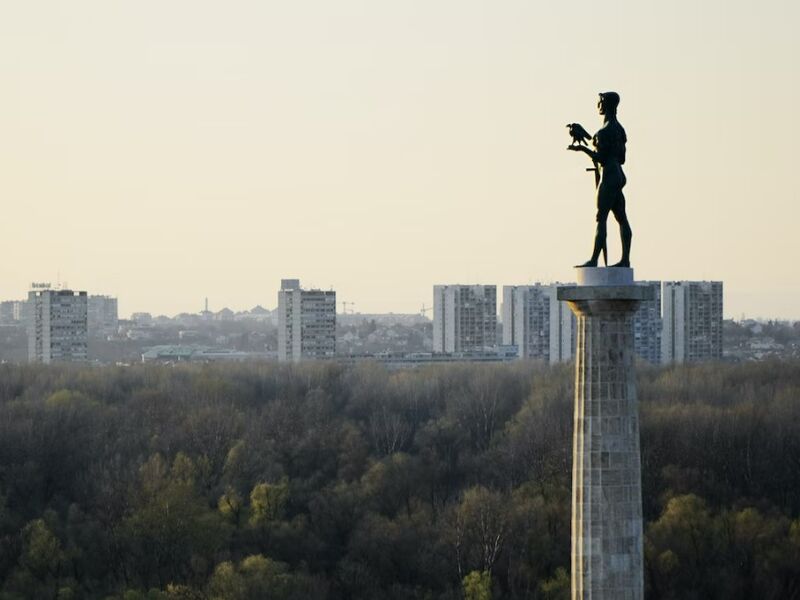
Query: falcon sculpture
(579, 135)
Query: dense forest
(328, 481)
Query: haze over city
(168, 152)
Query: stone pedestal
(607, 561)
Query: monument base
(604, 275)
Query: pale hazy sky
(168, 150)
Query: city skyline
(163, 154)
(102, 299)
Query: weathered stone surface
(607, 555)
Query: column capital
(603, 299)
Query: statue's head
(607, 105)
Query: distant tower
(102, 316)
(647, 325)
(306, 323)
(541, 327)
(57, 326)
(464, 318)
(12, 311)
(692, 321)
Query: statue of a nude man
(608, 157)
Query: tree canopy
(324, 481)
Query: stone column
(607, 554)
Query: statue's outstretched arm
(590, 153)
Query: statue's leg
(603, 208)
(600, 234)
(625, 232)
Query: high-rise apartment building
(647, 326)
(7, 312)
(464, 318)
(306, 323)
(12, 312)
(692, 314)
(102, 316)
(538, 324)
(57, 326)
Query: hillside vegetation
(324, 481)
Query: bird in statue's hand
(579, 135)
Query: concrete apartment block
(103, 317)
(306, 323)
(464, 318)
(541, 327)
(647, 325)
(57, 326)
(692, 313)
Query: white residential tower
(692, 314)
(647, 325)
(306, 323)
(57, 326)
(464, 318)
(541, 327)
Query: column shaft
(607, 553)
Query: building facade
(541, 327)
(12, 312)
(306, 323)
(57, 326)
(692, 317)
(103, 318)
(647, 325)
(464, 318)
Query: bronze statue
(607, 158)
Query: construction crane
(424, 310)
